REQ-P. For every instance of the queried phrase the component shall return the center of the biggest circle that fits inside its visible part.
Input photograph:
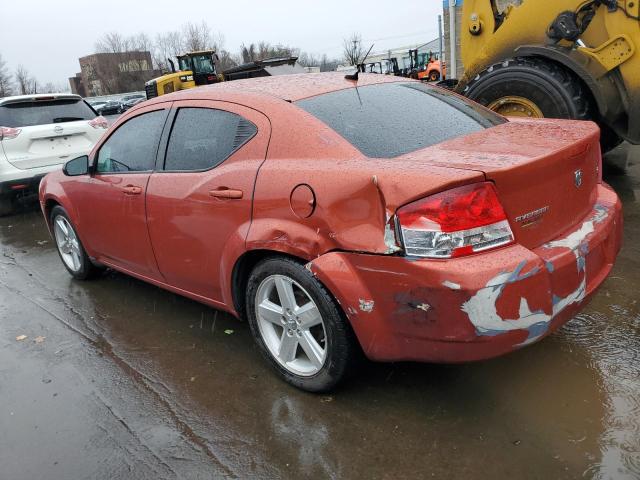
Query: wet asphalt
(119, 379)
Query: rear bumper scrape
(474, 307)
(482, 310)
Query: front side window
(134, 146)
(203, 138)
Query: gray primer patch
(424, 306)
(451, 285)
(481, 308)
(366, 305)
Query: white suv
(39, 133)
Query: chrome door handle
(226, 193)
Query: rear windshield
(28, 114)
(392, 119)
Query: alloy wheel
(68, 244)
(291, 325)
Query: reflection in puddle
(309, 438)
(613, 343)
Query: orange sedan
(340, 216)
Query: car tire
(550, 88)
(7, 205)
(284, 338)
(434, 76)
(69, 247)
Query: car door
(199, 203)
(113, 210)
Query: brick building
(110, 73)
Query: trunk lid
(46, 145)
(545, 171)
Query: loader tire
(531, 87)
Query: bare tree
(113, 42)
(25, 82)
(141, 43)
(308, 60)
(167, 45)
(328, 64)
(264, 50)
(6, 87)
(51, 87)
(353, 50)
(248, 54)
(200, 36)
(225, 60)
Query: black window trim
(94, 160)
(164, 142)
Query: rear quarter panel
(354, 195)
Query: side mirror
(77, 166)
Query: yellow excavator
(194, 69)
(571, 59)
(201, 68)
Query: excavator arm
(596, 41)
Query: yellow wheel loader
(571, 59)
(194, 69)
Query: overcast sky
(48, 37)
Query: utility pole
(356, 57)
(440, 53)
(453, 40)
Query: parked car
(437, 232)
(132, 103)
(96, 105)
(132, 96)
(111, 107)
(38, 133)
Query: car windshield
(392, 119)
(44, 112)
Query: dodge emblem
(578, 178)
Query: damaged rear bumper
(476, 307)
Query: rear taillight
(455, 223)
(99, 122)
(7, 133)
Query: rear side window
(203, 138)
(41, 112)
(134, 145)
(388, 120)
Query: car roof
(290, 88)
(39, 96)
